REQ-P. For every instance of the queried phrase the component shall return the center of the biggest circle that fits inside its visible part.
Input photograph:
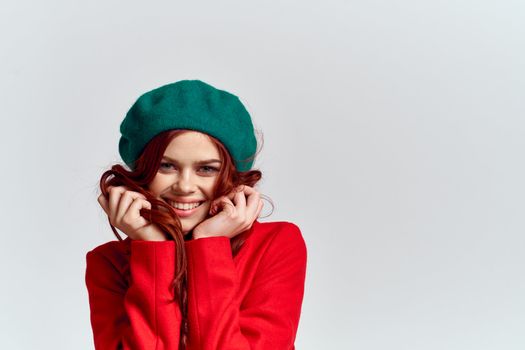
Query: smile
(184, 206)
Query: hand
(123, 210)
(234, 217)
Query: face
(186, 176)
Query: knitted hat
(193, 105)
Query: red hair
(163, 215)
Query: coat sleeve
(142, 315)
(267, 317)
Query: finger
(252, 195)
(114, 198)
(259, 209)
(227, 206)
(239, 200)
(253, 200)
(233, 192)
(215, 205)
(248, 190)
(125, 201)
(253, 215)
(231, 195)
(103, 203)
(132, 215)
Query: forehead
(191, 146)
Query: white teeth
(184, 206)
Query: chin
(190, 222)
(188, 225)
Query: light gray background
(394, 135)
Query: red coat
(251, 301)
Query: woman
(196, 270)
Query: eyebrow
(206, 161)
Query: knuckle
(126, 194)
(127, 219)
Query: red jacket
(251, 301)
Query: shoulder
(280, 230)
(112, 254)
(283, 252)
(281, 237)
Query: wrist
(197, 235)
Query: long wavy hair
(162, 214)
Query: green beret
(193, 105)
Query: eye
(209, 169)
(205, 168)
(164, 165)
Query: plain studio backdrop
(393, 132)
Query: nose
(184, 183)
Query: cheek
(159, 184)
(154, 191)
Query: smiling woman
(197, 270)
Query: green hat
(193, 105)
